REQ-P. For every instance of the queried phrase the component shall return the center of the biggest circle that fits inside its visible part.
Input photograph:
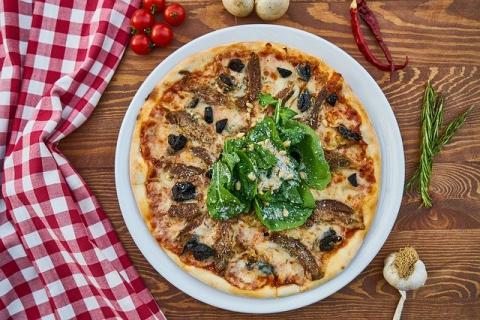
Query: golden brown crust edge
(139, 173)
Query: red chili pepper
(367, 15)
(362, 44)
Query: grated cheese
(282, 171)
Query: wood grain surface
(442, 40)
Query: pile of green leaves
(432, 141)
(244, 160)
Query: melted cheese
(206, 232)
(286, 267)
(243, 277)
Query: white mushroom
(271, 9)
(239, 8)
(404, 271)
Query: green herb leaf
(278, 107)
(230, 149)
(230, 159)
(310, 149)
(307, 197)
(281, 215)
(266, 99)
(295, 134)
(263, 158)
(288, 192)
(248, 188)
(221, 203)
(286, 114)
(265, 129)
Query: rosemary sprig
(432, 142)
(452, 127)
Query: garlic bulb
(271, 9)
(404, 271)
(239, 8)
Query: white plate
(379, 112)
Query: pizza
(256, 169)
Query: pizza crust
(139, 172)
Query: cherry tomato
(161, 35)
(154, 6)
(174, 14)
(141, 20)
(140, 44)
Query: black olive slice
(220, 125)
(202, 252)
(329, 240)
(236, 65)
(190, 244)
(265, 268)
(304, 71)
(208, 115)
(349, 134)
(250, 264)
(353, 180)
(183, 191)
(209, 173)
(225, 82)
(199, 250)
(332, 99)
(177, 142)
(304, 101)
(285, 73)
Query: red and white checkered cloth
(59, 256)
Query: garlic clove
(412, 282)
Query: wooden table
(442, 40)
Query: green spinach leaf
(279, 216)
(248, 188)
(229, 154)
(286, 114)
(221, 203)
(263, 158)
(310, 149)
(287, 192)
(307, 196)
(278, 107)
(295, 134)
(265, 129)
(266, 99)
